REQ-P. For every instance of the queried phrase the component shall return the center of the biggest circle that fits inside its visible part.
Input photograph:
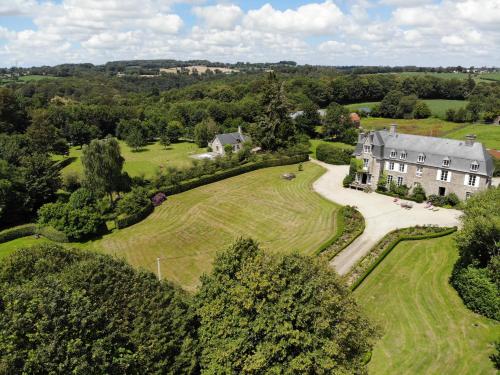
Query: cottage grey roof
(435, 150)
(231, 138)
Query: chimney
(239, 130)
(393, 128)
(470, 139)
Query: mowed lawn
(427, 329)
(8, 248)
(430, 126)
(439, 107)
(489, 135)
(188, 229)
(146, 161)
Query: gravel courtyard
(381, 214)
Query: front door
(442, 191)
(364, 179)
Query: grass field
(427, 329)
(489, 135)
(438, 107)
(430, 126)
(7, 248)
(486, 77)
(189, 228)
(148, 160)
(316, 142)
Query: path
(381, 214)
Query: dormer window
(421, 158)
(446, 162)
(474, 166)
(403, 155)
(367, 149)
(393, 154)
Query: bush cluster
(334, 154)
(440, 201)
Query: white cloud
(17, 7)
(219, 16)
(423, 32)
(315, 18)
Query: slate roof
(434, 149)
(231, 138)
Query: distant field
(148, 160)
(477, 77)
(489, 135)
(426, 327)
(439, 107)
(491, 76)
(430, 126)
(4, 80)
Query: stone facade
(410, 165)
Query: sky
(330, 32)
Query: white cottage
(236, 140)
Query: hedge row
(391, 246)
(30, 230)
(221, 175)
(61, 164)
(346, 234)
(135, 218)
(334, 154)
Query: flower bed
(350, 224)
(370, 261)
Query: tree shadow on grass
(144, 149)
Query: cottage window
(367, 149)
(389, 179)
(474, 166)
(446, 162)
(402, 167)
(444, 176)
(472, 180)
(393, 154)
(420, 171)
(421, 158)
(365, 163)
(400, 181)
(403, 155)
(391, 166)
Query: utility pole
(159, 268)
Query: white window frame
(402, 167)
(400, 181)
(474, 166)
(393, 154)
(471, 181)
(445, 175)
(365, 163)
(421, 159)
(446, 162)
(389, 179)
(369, 179)
(391, 165)
(403, 155)
(420, 171)
(367, 149)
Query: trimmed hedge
(61, 164)
(333, 154)
(391, 246)
(221, 175)
(52, 234)
(135, 218)
(17, 232)
(30, 230)
(346, 233)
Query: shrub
(17, 232)
(134, 201)
(71, 181)
(334, 154)
(138, 216)
(418, 194)
(158, 199)
(348, 180)
(82, 198)
(478, 292)
(452, 199)
(436, 200)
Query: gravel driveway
(381, 214)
